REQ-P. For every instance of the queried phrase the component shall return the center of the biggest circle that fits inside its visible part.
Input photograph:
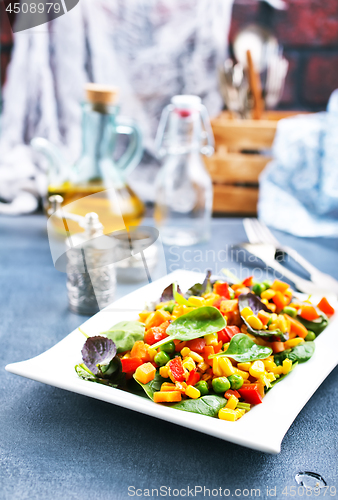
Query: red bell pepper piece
(248, 281)
(232, 392)
(156, 333)
(177, 369)
(227, 333)
(222, 289)
(193, 377)
(129, 365)
(325, 307)
(196, 345)
(251, 393)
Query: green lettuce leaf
(242, 349)
(125, 334)
(206, 405)
(196, 323)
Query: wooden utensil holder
(242, 152)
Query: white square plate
(263, 428)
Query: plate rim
(236, 432)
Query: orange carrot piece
(167, 397)
(264, 317)
(279, 286)
(277, 347)
(297, 327)
(308, 312)
(179, 345)
(229, 306)
(326, 307)
(208, 350)
(279, 300)
(139, 350)
(218, 347)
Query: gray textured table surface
(55, 444)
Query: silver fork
(266, 245)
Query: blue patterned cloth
(299, 188)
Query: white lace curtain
(151, 49)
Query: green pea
(161, 358)
(291, 311)
(236, 381)
(170, 306)
(202, 386)
(258, 288)
(267, 284)
(310, 336)
(169, 347)
(220, 384)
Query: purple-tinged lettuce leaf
(198, 289)
(251, 300)
(168, 293)
(97, 353)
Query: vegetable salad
(216, 350)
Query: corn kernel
(209, 302)
(257, 369)
(277, 370)
(244, 375)
(273, 326)
(293, 342)
(152, 353)
(228, 414)
(265, 301)
(226, 346)
(270, 377)
(232, 402)
(211, 339)
(244, 366)
(144, 315)
(254, 322)
(287, 365)
(212, 295)
(148, 319)
(282, 324)
(247, 311)
(269, 364)
(196, 301)
(185, 351)
(216, 368)
(126, 356)
(192, 392)
(226, 367)
(268, 294)
(203, 366)
(196, 357)
(189, 365)
(164, 372)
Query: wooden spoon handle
(255, 87)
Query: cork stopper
(101, 94)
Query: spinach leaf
(251, 300)
(125, 334)
(199, 288)
(242, 349)
(206, 405)
(153, 386)
(301, 353)
(98, 352)
(316, 326)
(194, 324)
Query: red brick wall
(308, 31)
(6, 41)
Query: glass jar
(183, 187)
